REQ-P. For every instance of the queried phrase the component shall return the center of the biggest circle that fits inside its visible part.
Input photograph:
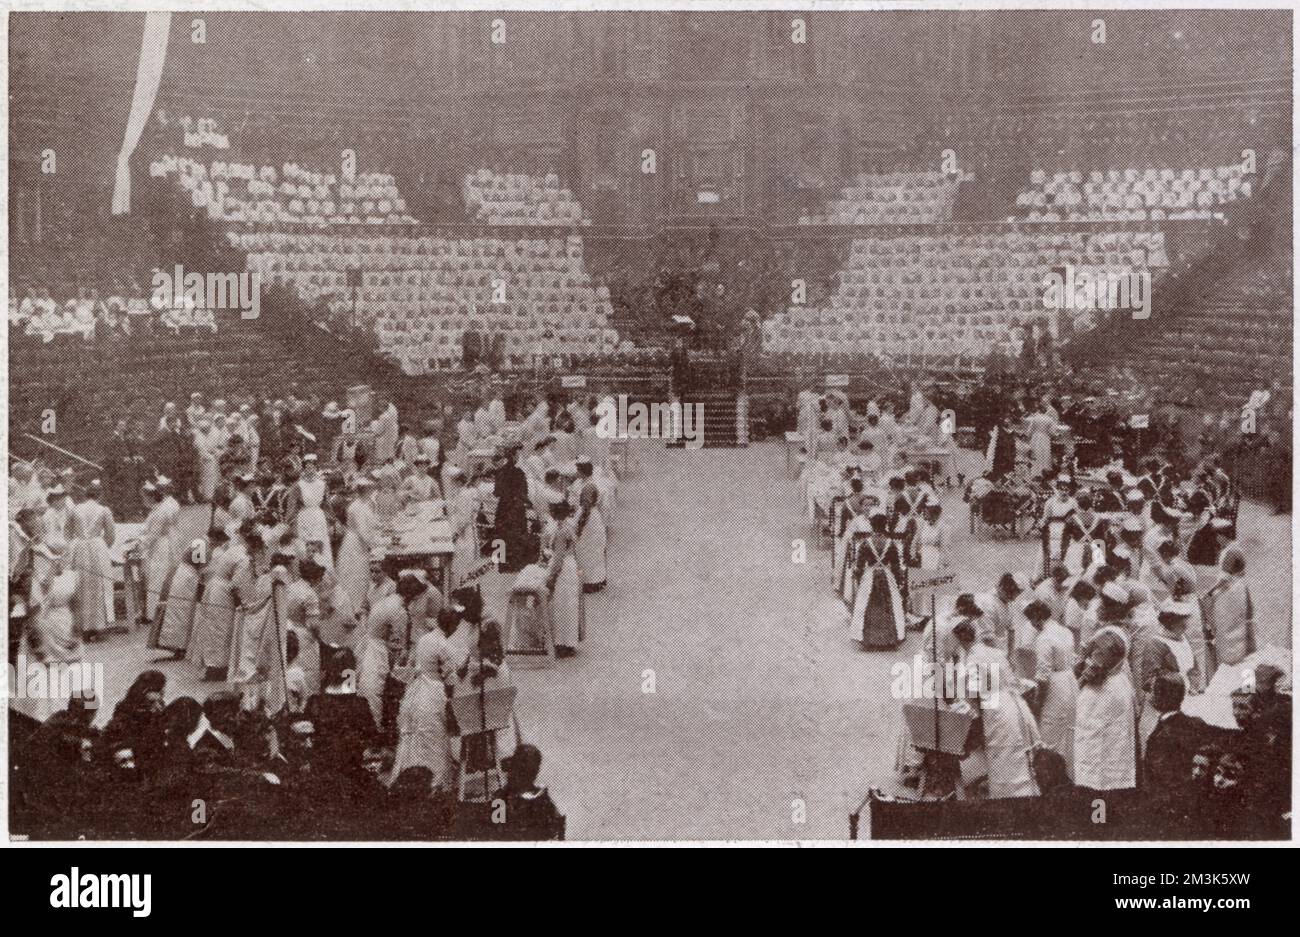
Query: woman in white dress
(1008, 731)
(589, 530)
(1230, 610)
(382, 646)
(173, 628)
(206, 439)
(57, 524)
(462, 513)
(254, 626)
(562, 582)
(932, 538)
(229, 583)
(364, 534)
(1054, 674)
(93, 534)
(423, 739)
(310, 522)
(1105, 725)
(157, 546)
(1039, 427)
(50, 636)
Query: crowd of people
(1132, 603)
(299, 589)
(90, 316)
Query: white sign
(837, 380)
(573, 381)
(1139, 421)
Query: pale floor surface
(760, 700)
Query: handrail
(62, 451)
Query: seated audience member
(342, 719)
(1175, 738)
(530, 812)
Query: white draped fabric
(153, 52)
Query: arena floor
(766, 720)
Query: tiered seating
(236, 191)
(422, 293)
(514, 198)
(950, 295)
(1238, 335)
(90, 386)
(1133, 194)
(892, 199)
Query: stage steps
(726, 420)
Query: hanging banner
(148, 76)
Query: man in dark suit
(1174, 740)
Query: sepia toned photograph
(649, 425)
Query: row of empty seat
(962, 293)
(516, 198)
(894, 198)
(422, 294)
(259, 194)
(1133, 194)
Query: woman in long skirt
(230, 578)
(1230, 610)
(376, 653)
(589, 547)
(1105, 725)
(877, 618)
(1058, 510)
(248, 637)
(51, 633)
(566, 605)
(1054, 673)
(364, 533)
(310, 521)
(157, 547)
(932, 536)
(462, 513)
(93, 534)
(423, 739)
(207, 455)
(174, 627)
